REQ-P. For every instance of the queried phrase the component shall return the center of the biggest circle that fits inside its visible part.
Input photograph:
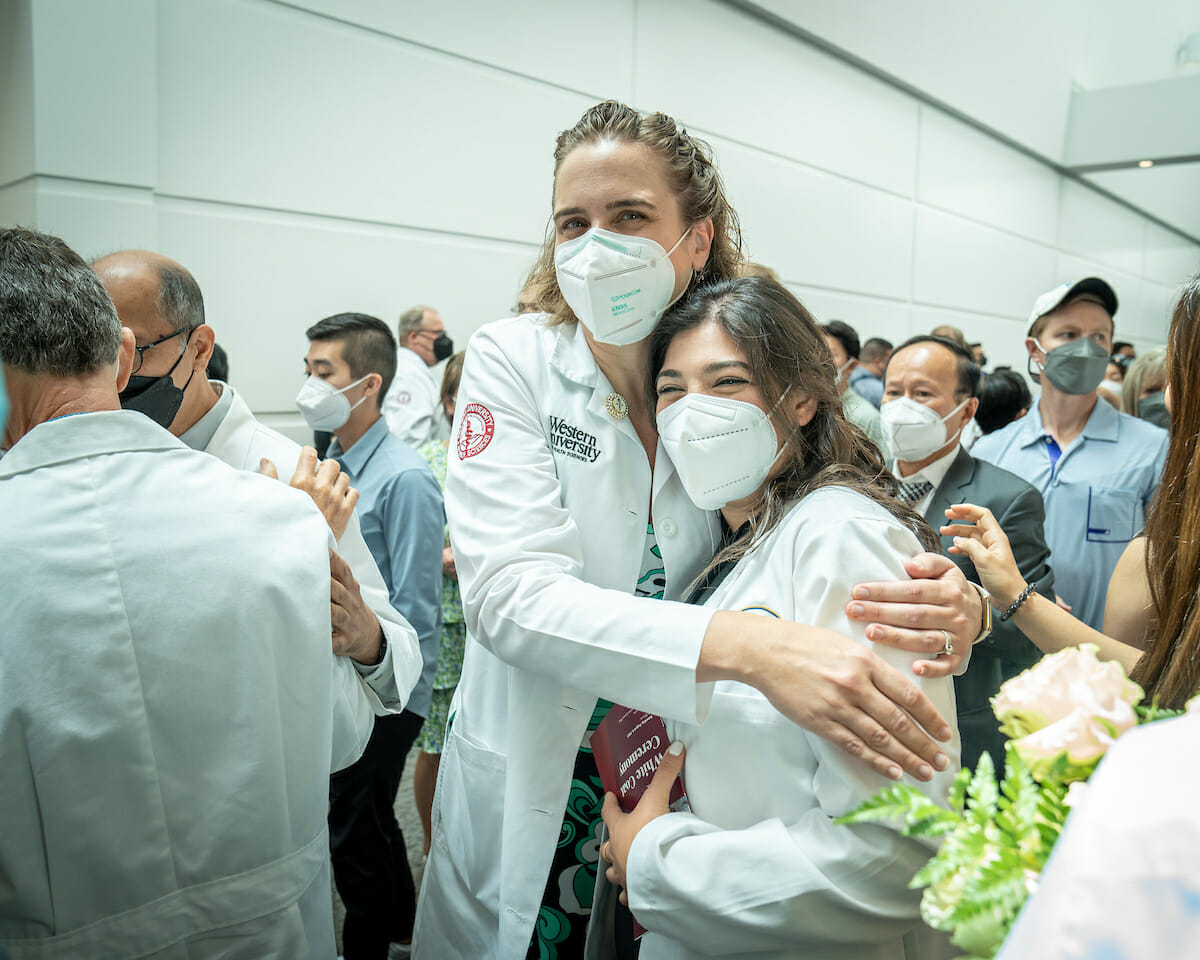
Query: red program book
(627, 747)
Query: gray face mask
(1077, 367)
(1153, 408)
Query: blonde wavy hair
(693, 178)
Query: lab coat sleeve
(411, 419)
(392, 679)
(796, 881)
(355, 704)
(520, 560)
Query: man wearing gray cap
(1095, 467)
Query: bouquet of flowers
(1060, 716)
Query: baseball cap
(1051, 300)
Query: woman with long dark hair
(748, 411)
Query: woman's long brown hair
(1170, 667)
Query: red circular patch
(474, 430)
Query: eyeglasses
(434, 333)
(141, 351)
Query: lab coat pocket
(470, 812)
(1114, 514)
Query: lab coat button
(668, 527)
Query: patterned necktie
(913, 492)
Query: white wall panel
(94, 71)
(17, 158)
(1169, 259)
(727, 73)
(267, 277)
(574, 44)
(95, 219)
(268, 106)
(303, 157)
(868, 316)
(964, 265)
(18, 204)
(1003, 339)
(1013, 72)
(1156, 303)
(819, 230)
(967, 172)
(1094, 227)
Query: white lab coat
(548, 537)
(758, 868)
(167, 700)
(412, 406)
(242, 441)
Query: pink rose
(1069, 703)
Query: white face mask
(912, 430)
(324, 406)
(618, 286)
(723, 449)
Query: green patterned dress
(454, 633)
(561, 926)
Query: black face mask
(156, 397)
(443, 347)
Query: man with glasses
(412, 406)
(161, 303)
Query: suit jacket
(1018, 508)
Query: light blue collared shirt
(867, 385)
(1096, 496)
(402, 518)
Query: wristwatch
(985, 625)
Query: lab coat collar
(572, 357)
(355, 459)
(83, 435)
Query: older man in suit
(929, 396)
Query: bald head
(153, 294)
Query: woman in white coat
(553, 490)
(749, 416)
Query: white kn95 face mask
(912, 430)
(618, 286)
(324, 406)
(723, 449)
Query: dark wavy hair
(786, 349)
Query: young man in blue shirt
(1097, 469)
(351, 362)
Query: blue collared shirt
(401, 514)
(1096, 495)
(867, 385)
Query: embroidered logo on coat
(403, 396)
(571, 441)
(475, 430)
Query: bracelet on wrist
(1024, 595)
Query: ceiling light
(1145, 163)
